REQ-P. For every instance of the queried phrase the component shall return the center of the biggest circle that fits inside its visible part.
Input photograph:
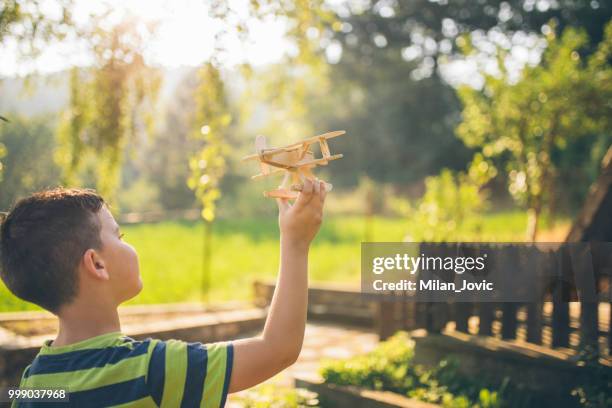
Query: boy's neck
(81, 322)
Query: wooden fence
(548, 324)
(552, 322)
(569, 325)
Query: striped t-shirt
(116, 370)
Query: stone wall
(337, 303)
(332, 395)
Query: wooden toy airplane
(296, 160)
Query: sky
(186, 37)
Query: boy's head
(61, 245)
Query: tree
(25, 139)
(167, 157)
(401, 129)
(450, 202)
(2, 154)
(520, 125)
(288, 88)
(212, 119)
(111, 101)
(384, 85)
(31, 27)
(431, 28)
(34, 23)
(389, 75)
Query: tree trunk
(533, 215)
(369, 216)
(206, 260)
(552, 198)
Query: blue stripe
(84, 359)
(228, 372)
(197, 361)
(157, 372)
(114, 394)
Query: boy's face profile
(118, 259)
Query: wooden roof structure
(594, 222)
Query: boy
(62, 250)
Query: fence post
(534, 322)
(509, 322)
(610, 329)
(420, 318)
(560, 324)
(409, 314)
(486, 311)
(584, 274)
(589, 330)
(560, 295)
(386, 318)
(463, 311)
(437, 317)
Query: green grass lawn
(170, 254)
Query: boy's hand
(300, 222)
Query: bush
(389, 367)
(594, 391)
(385, 368)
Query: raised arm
(258, 358)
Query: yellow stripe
(215, 374)
(106, 340)
(175, 375)
(81, 380)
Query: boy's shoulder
(118, 369)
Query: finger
(316, 187)
(323, 192)
(305, 195)
(283, 204)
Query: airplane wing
(295, 146)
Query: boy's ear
(94, 265)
